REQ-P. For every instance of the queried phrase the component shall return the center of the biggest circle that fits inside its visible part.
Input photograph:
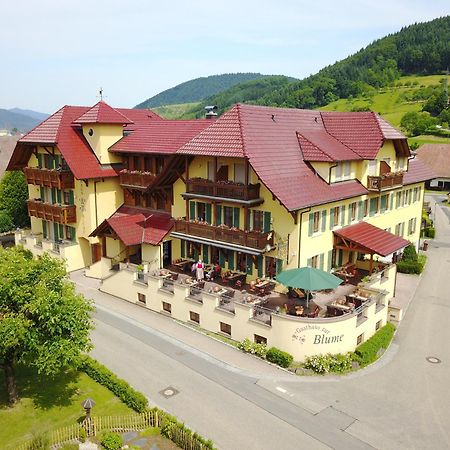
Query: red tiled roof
(363, 132)
(103, 113)
(372, 238)
(59, 130)
(268, 138)
(160, 136)
(436, 157)
(318, 145)
(135, 226)
(418, 171)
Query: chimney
(210, 112)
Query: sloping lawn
(48, 403)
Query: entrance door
(167, 253)
(96, 250)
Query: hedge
(116, 385)
(277, 356)
(367, 352)
(411, 266)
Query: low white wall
(300, 337)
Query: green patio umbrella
(309, 279)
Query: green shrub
(112, 441)
(412, 267)
(116, 385)
(367, 352)
(430, 232)
(410, 253)
(337, 363)
(83, 434)
(279, 357)
(40, 441)
(252, 347)
(6, 221)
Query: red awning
(368, 238)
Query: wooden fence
(134, 422)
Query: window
(360, 339)
(374, 206)
(211, 170)
(142, 298)
(353, 211)
(259, 339)
(316, 222)
(384, 203)
(239, 173)
(315, 261)
(336, 215)
(400, 228)
(366, 207)
(258, 220)
(201, 211)
(228, 216)
(167, 307)
(225, 328)
(412, 226)
(194, 317)
(347, 169)
(372, 168)
(70, 233)
(378, 325)
(398, 199)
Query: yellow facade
(102, 136)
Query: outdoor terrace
(384, 182)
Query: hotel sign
(320, 335)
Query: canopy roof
(366, 238)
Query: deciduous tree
(13, 197)
(43, 321)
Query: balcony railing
(226, 189)
(383, 182)
(54, 213)
(53, 178)
(252, 239)
(135, 179)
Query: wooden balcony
(53, 213)
(134, 179)
(252, 239)
(52, 178)
(384, 182)
(227, 189)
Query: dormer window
(342, 171)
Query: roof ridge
(336, 138)
(59, 125)
(41, 123)
(241, 131)
(375, 116)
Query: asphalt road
(402, 402)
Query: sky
(58, 52)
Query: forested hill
(198, 89)
(422, 48)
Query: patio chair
(174, 276)
(315, 313)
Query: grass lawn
(49, 403)
(177, 111)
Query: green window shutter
(324, 220)
(183, 249)
(205, 253)
(73, 234)
(311, 224)
(53, 195)
(392, 201)
(221, 258)
(331, 218)
(236, 213)
(208, 212)
(279, 265)
(192, 211)
(340, 257)
(61, 231)
(55, 230)
(322, 257)
(330, 260)
(219, 214)
(260, 266)
(42, 191)
(309, 262)
(267, 218)
(39, 159)
(249, 265)
(196, 255)
(57, 161)
(350, 213)
(360, 210)
(342, 215)
(58, 195)
(44, 229)
(230, 259)
(71, 197)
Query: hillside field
(176, 111)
